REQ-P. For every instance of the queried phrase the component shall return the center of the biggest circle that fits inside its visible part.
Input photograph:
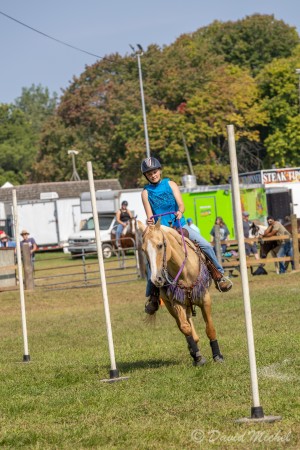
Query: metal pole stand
(113, 377)
(257, 414)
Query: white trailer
(110, 201)
(50, 222)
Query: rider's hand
(150, 221)
(179, 214)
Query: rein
(173, 282)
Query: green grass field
(57, 401)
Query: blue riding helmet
(150, 164)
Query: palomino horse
(178, 270)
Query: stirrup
(224, 284)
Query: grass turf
(57, 401)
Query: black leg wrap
(193, 347)
(199, 360)
(217, 356)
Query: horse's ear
(140, 226)
(157, 225)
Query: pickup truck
(84, 241)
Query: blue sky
(104, 27)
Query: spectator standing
(31, 242)
(224, 234)
(6, 242)
(192, 225)
(249, 247)
(284, 247)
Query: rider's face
(153, 175)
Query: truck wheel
(107, 251)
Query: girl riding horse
(159, 197)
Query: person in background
(161, 195)
(224, 234)
(249, 248)
(284, 247)
(31, 242)
(192, 225)
(6, 242)
(123, 215)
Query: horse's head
(156, 250)
(256, 230)
(253, 230)
(130, 227)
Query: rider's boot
(222, 283)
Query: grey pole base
(26, 358)
(114, 376)
(264, 419)
(112, 380)
(257, 416)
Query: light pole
(138, 54)
(75, 176)
(298, 73)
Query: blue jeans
(285, 249)
(119, 230)
(204, 245)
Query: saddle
(215, 274)
(184, 232)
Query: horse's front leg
(186, 327)
(210, 329)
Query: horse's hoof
(219, 359)
(200, 362)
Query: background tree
(279, 93)
(37, 104)
(251, 42)
(17, 145)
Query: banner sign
(281, 176)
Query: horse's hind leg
(187, 328)
(210, 329)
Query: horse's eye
(159, 246)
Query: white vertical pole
(113, 372)
(243, 267)
(26, 356)
(143, 105)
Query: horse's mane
(173, 233)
